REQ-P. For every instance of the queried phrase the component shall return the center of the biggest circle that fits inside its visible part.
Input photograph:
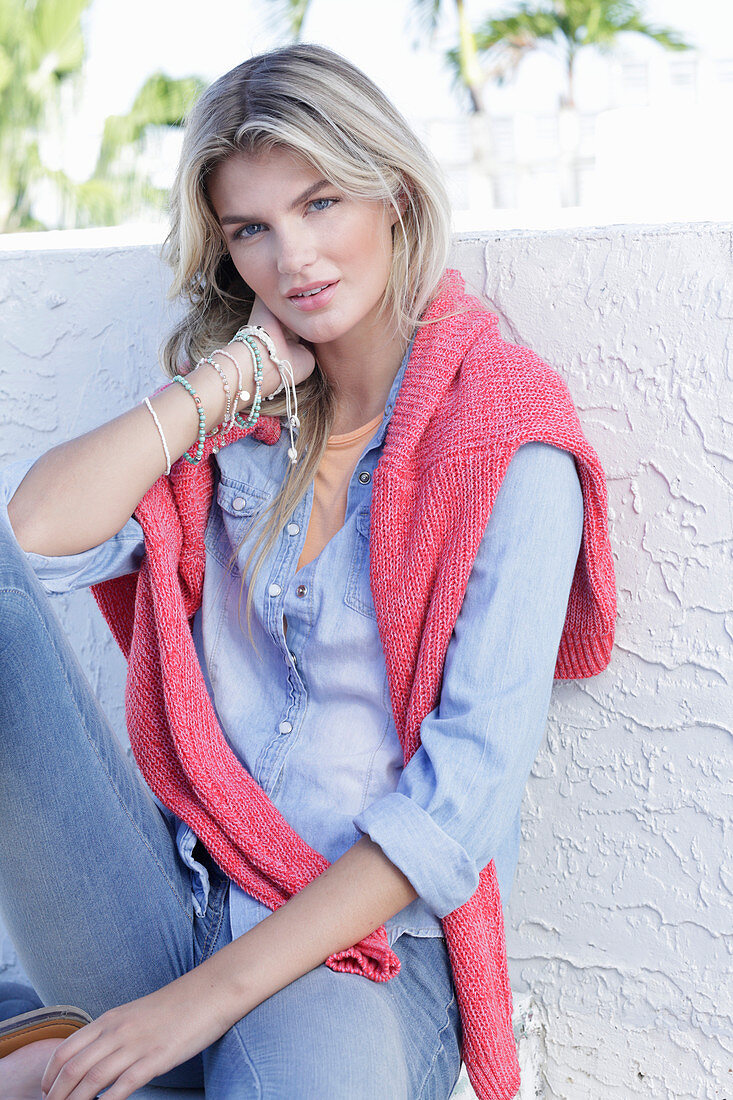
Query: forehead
(270, 174)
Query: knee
(21, 629)
(23, 601)
(359, 1063)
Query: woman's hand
(288, 346)
(129, 1045)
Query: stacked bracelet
(210, 360)
(247, 334)
(240, 395)
(202, 420)
(257, 364)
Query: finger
(127, 1083)
(70, 1047)
(108, 1071)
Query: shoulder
(520, 389)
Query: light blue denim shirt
(309, 714)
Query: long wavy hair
(310, 101)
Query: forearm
(82, 492)
(355, 895)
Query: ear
(403, 201)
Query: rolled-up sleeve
(118, 555)
(462, 790)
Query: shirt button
(274, 590)
(365, 477)
(285, 727)
(292, 529)
(301, 590)
(238, 503)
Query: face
(318, 259)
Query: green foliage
(290, 14)
(569, 25)
(162, 101)
(42, 50)
(428, 14)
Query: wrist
(210, 389)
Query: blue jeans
(98, 903)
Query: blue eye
(329, 202)
(245, 230)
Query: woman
(344, 555)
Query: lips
(308, 293)
(312, 296)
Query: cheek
(372, 243)
(253, 269)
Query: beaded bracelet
(240, 394)
(202, 420)
(257, 364)
(210, 360)
(287, 379)
(264, 336)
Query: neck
(361, 368)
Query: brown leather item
(56, 1022)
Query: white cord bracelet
(160, 433)
(287, 382)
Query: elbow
(25, 527)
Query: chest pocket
(234, 509)
(358, 589)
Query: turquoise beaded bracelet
(202, 420)
(254, 414)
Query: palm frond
(427, 15)
(288, 15)
(519, 30)
(161, 101)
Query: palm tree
(292, 13)
(117, 186)
(41, 53)
(565, 25)
(41, 50)
(495, 49)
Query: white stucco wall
(619, 925)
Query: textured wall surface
(619, 925)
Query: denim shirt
(309, 714)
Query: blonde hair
(308, 100)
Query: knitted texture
(468, 400)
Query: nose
(296, 251)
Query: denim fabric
(309, 714)
(98, 901)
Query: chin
(321, 330)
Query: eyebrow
(232, 219)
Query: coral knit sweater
(468, 400)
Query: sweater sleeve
(115, 557)
(460, 795)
